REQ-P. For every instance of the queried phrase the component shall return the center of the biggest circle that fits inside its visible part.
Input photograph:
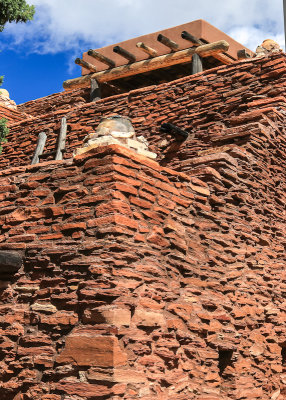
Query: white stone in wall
(116, 130)
(268, 46)
(5, 99)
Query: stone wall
(216, 99)
(142, 282)
(11, 115)
(139, 280)
(64, 100)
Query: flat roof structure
(156, 58)
(200, 29)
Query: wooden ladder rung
(39, 152)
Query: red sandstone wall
(216, 99)
(12, 115)
(82, 312)
(49, 104)
(142, 282)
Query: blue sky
(38, 56)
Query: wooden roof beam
(124, 53)
(224, 58)
(101, 58)
(168, 42)
(187, 36)
(85, 64)
(212, 49)
(148, 50)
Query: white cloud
(254, 36)
(77, 25)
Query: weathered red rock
(142, 279)
(85, 347)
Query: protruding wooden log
(81, 81)
(242, 54)
(187, 36)
(62, 139)
(124, 53)
(224, 58)
(40, 147)
(85, 64)
(197, 65)
(101, 58)
(212, 49)
(94, 90)
(174, 130)
(168, 42)
(148, 50)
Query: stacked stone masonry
(146, 280)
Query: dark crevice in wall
(224, 360)
(283, 356)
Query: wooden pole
(85, 64)
(101, 58)
(94, 90)
(242, 54)
(174, 130)
(187, 36)
(124, 53)
(168, 42)
(224, 58)
(81, 81)
(197, 65)
(62, 139)
(148, 50)
(179, 57)
(39, 148)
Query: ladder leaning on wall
(61, 144)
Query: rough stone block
(109, 315)
(90, 391)
(117, 376)
(85, 347)
(148, 318)
(10, 262)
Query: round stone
(4, 93)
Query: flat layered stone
(84, 347)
